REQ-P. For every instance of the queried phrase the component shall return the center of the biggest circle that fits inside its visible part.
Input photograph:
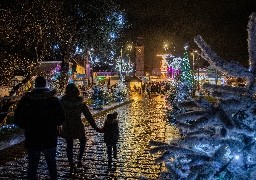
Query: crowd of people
(152, 87)
(102, 89)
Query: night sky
(221, 23)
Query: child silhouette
(111, 134)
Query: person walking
(149, 90)
(111, 135)
(40, 113)
(73, 127)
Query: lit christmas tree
(120, 92)
(97, 98)
(55, 74)
(183, 85)
(126, 67)
(186, 76)
(218, 140)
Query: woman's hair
(115, 115)
(40, 81)
(72, 90)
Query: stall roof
(133, 79)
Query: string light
(237, 157)
(35, 30)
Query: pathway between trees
(139, 121)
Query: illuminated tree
(184, 80)
(127, 66)
(186, 74)
(218, 139)
(36, 30)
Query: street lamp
(193, 66)
(121, 63)
(198, 85)
(129, 48)
(123, 50)
(166, 46)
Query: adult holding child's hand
(73, 127)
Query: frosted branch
(234, 105)
(173, 149)
(157, 149)
(196, 124)
(219, 153)
(166, 155)
(225, 96)
(191, 105)
(228, 68)
(206, 170)
(203, 103)
(177, 171)
(202, 122)
(203, 132)
(156, 143)
(224, 118)
(228, 89)
(190, 116)
(252, 42)
(193, 141)
(245, 130)
(196, 158)
(234, 144)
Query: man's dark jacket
(39, 112)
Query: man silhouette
(40, 113)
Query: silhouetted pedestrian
(111, 135)
(149, 91)
(73, 127)
(40, 113)
(143, 87)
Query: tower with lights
(139, 58)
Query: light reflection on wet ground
(139, 122)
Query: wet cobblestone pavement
(139, 122)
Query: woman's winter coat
(73, 127)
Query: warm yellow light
(166, 45)
(129, 47)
